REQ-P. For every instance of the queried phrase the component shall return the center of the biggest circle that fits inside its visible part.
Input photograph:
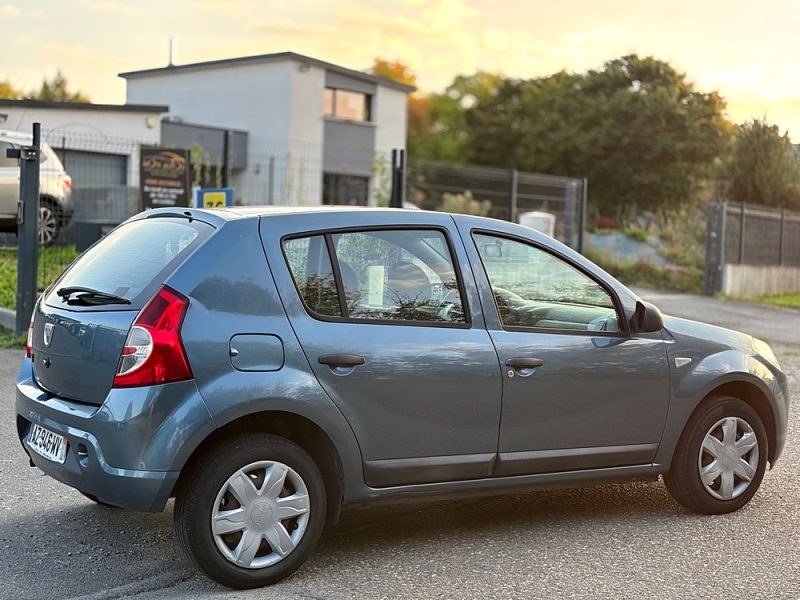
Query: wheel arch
(295, 427)
(753, 395)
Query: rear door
(388, 317)
(76, 347)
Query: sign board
(213, 197)
(164, 177)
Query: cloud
(10, 10)
(112, 6)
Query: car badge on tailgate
(48, 334)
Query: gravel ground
(614, 541)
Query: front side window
(387, 275)
(533, 288)
(344, 104)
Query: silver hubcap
(47, 225)
(728, 458)
(260, 514)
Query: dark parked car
(265, 367)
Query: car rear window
(132, 257)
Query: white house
(311, 131)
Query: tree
(8, 91)
(57, 90)
(636, 128)
(762, 167)
(394, 70)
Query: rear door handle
(341, 360)
(524, 363)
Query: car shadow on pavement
(87, 548)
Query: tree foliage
(762, 167)
(55, 89)
(636, 128)
(9, 92)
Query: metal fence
(89, 183)
(509, 193)
(745, 234)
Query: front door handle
(524, 363)
(341, 360)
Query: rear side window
(131, 258)
(313, 274)
(380, 275)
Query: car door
(390, 322)
(9, 183)
(579, 392)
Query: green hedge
(52, 261)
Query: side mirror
(646, 318)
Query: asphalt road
(615, 541)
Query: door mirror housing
(646, 318)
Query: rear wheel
(251, 510)
(721, 457)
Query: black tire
(196, 496)
(683, 480)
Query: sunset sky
(748, 50)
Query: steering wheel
(446, 305)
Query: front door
(395, 335)
(578, 391)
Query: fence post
(512, 196)
(582, 214)
(742, 231)
(781, 237)
(398, 178)
(27, 229)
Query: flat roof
(140, 108)
(266, 58)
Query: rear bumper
(127, 452)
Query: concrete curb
(8, 318)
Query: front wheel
(721, 457)
(251, 510)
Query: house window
(348, 190)
(344, 104)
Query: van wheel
(250, 510)
(721, 457)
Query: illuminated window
(344, 104)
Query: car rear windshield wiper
(77, 294)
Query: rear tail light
(28, 351)
(67, 181)
(153, 352)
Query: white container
(543, 222)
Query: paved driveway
(615, 541)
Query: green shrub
(636, 233)
(52, 261)
(669, 277)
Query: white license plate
(50, 445)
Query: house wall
(101, 131)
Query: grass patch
(670, 277)
(9, 340)
(789, 300)
(52, 261)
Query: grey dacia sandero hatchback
(266, 366)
